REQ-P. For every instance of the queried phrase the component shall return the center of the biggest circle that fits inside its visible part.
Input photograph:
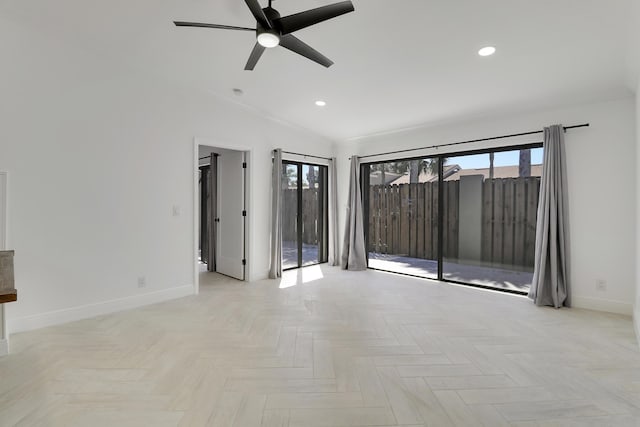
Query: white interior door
(230, 240)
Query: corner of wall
(636, 322)
(4, 347)
(599, 304)
(636, 308)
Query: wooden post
(405, 218)
(498, 223)
(520, 222)
(533, 190)
(509, 198)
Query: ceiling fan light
(268, 39)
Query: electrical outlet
(601, 285)
(142, 282)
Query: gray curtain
(212, 210)
(354, 256)
(550, 277)
(334, 258)
(275, 269)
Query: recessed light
(321, 103)
(487, 51)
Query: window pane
(310, 214)
(304, 222)
(403, 217)
(490, 205)
(289, 216)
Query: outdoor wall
(470, 219)
(98, 156)
(601, 169)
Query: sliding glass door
(497, 201)
(304, 214)
(401, 202)
(468, 218)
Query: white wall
(634, 82)
(636, 314)
(601, 171)
(4, 343)
(97, 157)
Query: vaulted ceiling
(397, 63)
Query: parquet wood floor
(325, 347)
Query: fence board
(393, 217)
(388, 223)
(451, 219)
(533, 190)
(487, 221)
(413, 220)
(420, 221)
(289, 219)
(310, 213)
(373, 217)
(497, 221)
(434, 205)
(428, 225)
(509, 201)
(404, 220)
(521, 221)
(384, 220)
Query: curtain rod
(306, 155)
(472, 140)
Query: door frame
(364, 183)
(248, 200)
(323, 243)
(4, 242)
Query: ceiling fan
(272, 30)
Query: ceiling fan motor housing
(271, 14)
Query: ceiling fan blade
(202, 25)
(298, 21)
(296, 45)
(258, 13)
(256, 53)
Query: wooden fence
(403, 220)
(310, 205)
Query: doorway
(304, 214)
(222, 211)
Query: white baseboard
(57, 317)
(602, 305)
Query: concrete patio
(310, 254)
(494, 277)
(499, 278)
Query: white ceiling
(397, 63)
